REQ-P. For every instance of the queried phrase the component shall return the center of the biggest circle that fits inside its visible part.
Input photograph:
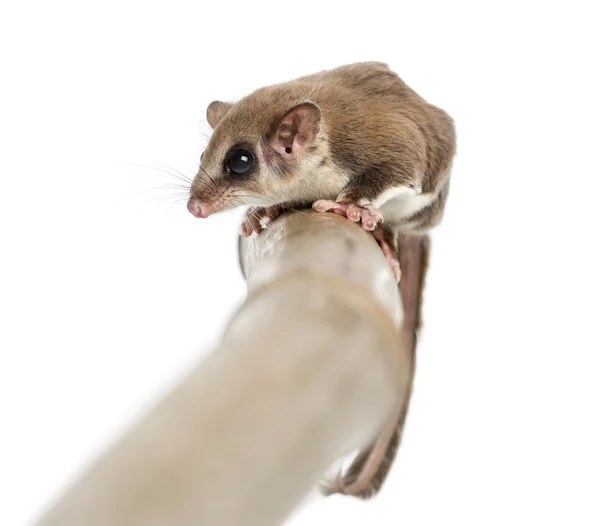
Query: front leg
(258, 217)
(367, 214)
(362, 199)
(355, 202)
(361, 202)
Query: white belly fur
(405, 204)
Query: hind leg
(387, 244)
(368, 471)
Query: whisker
(177, 198)
(205, 183)
(180, 189)
(174, 205)
(254, 215)
(166, 170)
(238, 200)
(211, 179)
(165, 198)
(244, 195)
(181, 174)
(170, 190)
(175, 176)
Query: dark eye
(241, 162)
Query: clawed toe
(325, 205)
(251, 224)
(367, 215)
(257, 218)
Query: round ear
(297, 130)
(216, 111)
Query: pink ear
(296, 131)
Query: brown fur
(379, 128)
(375, 134)
(356, 134)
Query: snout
(200, 208)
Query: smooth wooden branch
(310, 367)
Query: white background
(109, 294)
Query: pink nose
(199, 208)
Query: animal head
(259, 151)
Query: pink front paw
(258, 217)
(368, 215)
